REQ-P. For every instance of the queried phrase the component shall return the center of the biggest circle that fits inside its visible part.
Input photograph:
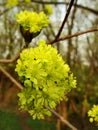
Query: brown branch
(65, 19)
(11, 78)
(52, 42)
(61, 118)
(6, 61)
(73, 35)
(70, 28)
(73, 16)
(60, 3)
(63, 3)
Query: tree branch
(61, 118)
(73, 35)
(60, 3)
(11, 78)
(63, 3)
(6, 61)
(65, 19)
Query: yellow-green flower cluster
(93, 114)
(11, 3)
(48, 10)
(32, 21)
(46, 79)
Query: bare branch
(65, 19)
(52, 42)
(11, 78)
(73, 35)
(59, 3)
(6, 61)
(61, 118)
(63, 3)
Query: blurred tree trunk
(70, 28)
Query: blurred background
(81, 53)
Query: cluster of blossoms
(32, 21)
(93, 114)
(48, 10)
(11, 3)
(46, 78)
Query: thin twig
(65, 19)
(11, 78)
(61, 118)
(6, 61)
(63, 3)
(52, 42)
(58, 3)
(73, 35)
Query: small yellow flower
(11, 3)
(91, 120)
(93, 114)
(48, 10)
